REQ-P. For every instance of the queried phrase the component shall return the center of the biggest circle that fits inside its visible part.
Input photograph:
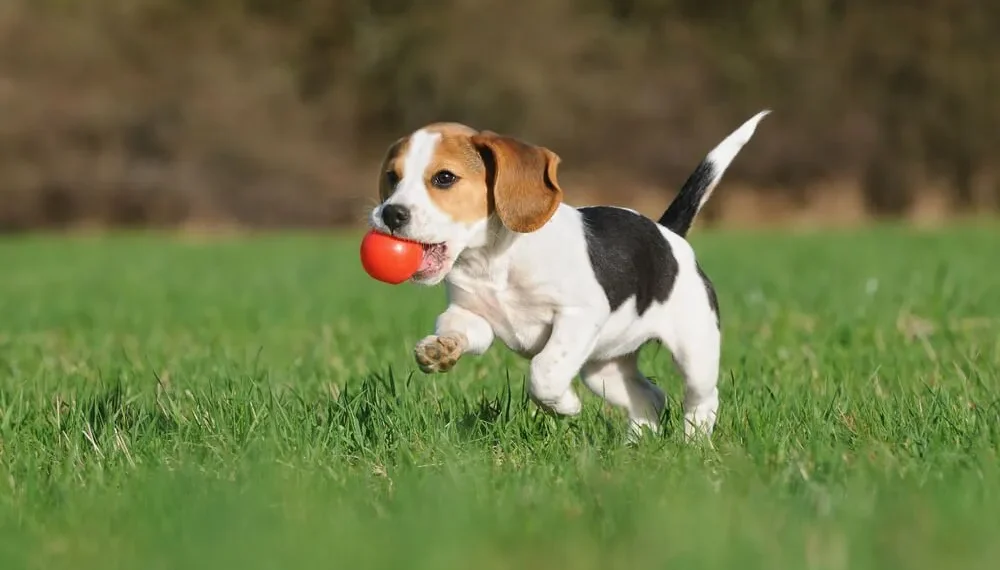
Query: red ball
(388, 259)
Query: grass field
(253, 404)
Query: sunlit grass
(253, 404)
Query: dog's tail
(699, 186)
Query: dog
(578, 291)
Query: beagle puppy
(578, 291)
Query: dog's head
(442, 184)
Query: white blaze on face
(416, 161)
(427, 222)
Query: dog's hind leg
(621, 384)
(696, 353)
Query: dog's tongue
(426, 262)
(432, 261)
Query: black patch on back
(713, 299)
(630, 256)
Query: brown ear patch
(522, 180)
(391, 170)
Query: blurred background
(274, 113)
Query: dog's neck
(491, 255)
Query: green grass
(253, 404)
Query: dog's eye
(443, 179)
(391, 178)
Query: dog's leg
(696, 353)
(553, 369)
(457, 331)
(621, 384)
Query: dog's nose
(395, 216)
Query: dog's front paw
(438, 353)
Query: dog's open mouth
(435, 259)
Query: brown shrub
(272, 112)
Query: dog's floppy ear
(521, 179)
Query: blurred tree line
(273, 112)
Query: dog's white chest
(520, 317)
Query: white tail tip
(727, 150)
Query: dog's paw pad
(438, 353)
